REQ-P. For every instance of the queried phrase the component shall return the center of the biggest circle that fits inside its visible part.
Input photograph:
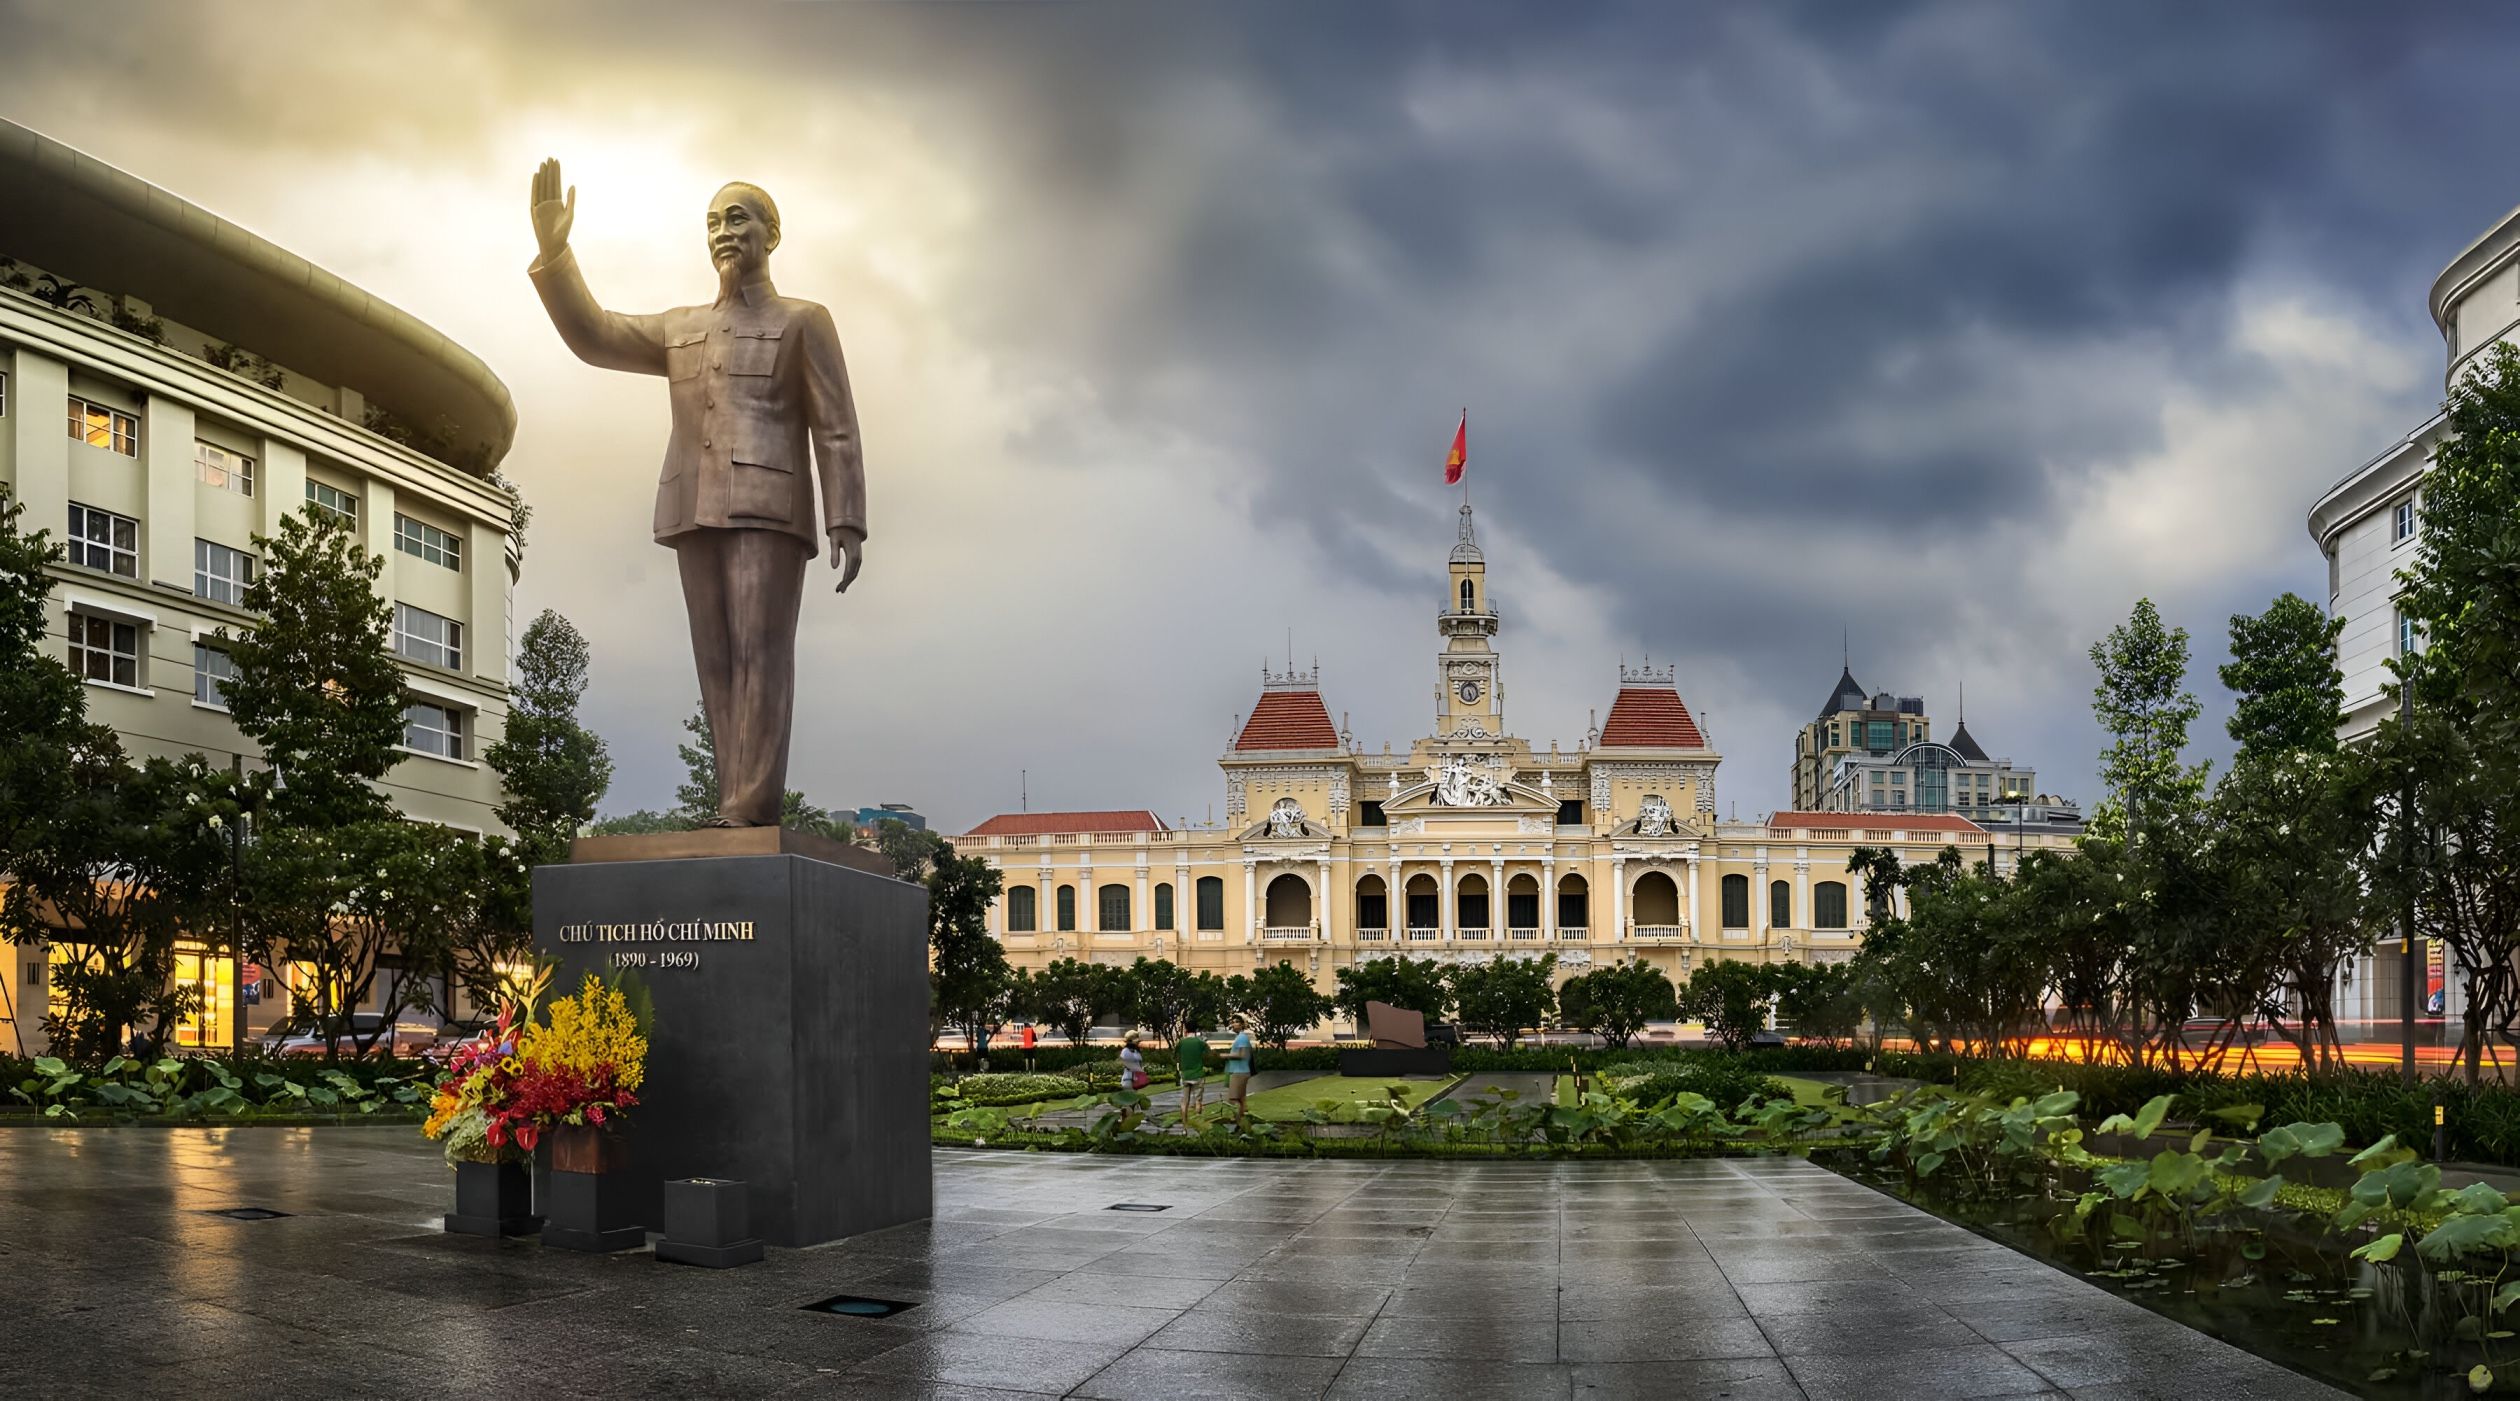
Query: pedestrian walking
(1238, 1069)
(1031, 1038)
(1190, 1058)
(1132, 1064)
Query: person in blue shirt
(1238, 1069)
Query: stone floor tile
(1015, 1364)
(1973, 1370)
(1661, 1339)
(1457, 1379)
(1508, 1337)
(1289, 1334)
(1156, 1374)
(1719, 1379)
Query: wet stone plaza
(1759, 1278)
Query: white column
(1321, 901)
(1448, 898)
(166, 533)
(1045, 899)
(1395, 900)
(1694, 865)
(1184, 893)
(1759, 896)
(1251, 901)
(1141, 914)
(1548, 899)
(1088, 909)
(1802, 888)
(39, 395)
(1497, 920)
(1618, 897)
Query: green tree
(641, 823)
(1282, 1003)
(1616, 1002)
(1731, 997)
(696, 797)
(46, 742)
(552, 768)
(968, 973)
(1063, 999)
(912, 850)
(2142, 700)
(316, 684)
(1820, 1001)
(1163, 996)
(369, 909)
(1416, 985)
(1505, 997)
(1208, 1001)
(2288, 696)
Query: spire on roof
(1467, 552)
(1965, 745)
(1847, 695)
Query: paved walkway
(1744, 1279)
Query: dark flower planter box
(493, 1199)
(590, 1204)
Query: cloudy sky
(1953, 326)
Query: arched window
(1472, 909)
(1023, 914)
(1163, 905)
(1211, 902)
(1468, 598)
(1522, 903)
(1067, 907)
(1373, 904)
(1736, 902)
(1423, 912)
(1289, 903)
(1828, 905)
(1780, 904)
(1111, 913)
(1574, 903)
(1657, 900)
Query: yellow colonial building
(1471, 845)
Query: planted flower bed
(182, 1089)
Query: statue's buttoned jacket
(760, 399)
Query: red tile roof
(1651, 715)
(1034, 824)
(1289, 719)
(1880, 821)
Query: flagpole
(1465, 459)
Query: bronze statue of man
(754, 378)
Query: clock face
(1468, 691)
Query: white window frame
(116, 556)
(2406, 635)
(209, 682)
(2402, 521)
(344, 506)
(448, 649)
(221, 573)
(223, 468)
(122, 430)
(82, 650)
(421, 540)
(444, 740)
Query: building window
(1421, 898)
(212, 671)
(1522, 908)
(1574, 909)
(102, 427)
(2405, 633)
(102, 649)
(1833, 734)
(1369, 813)
(228, 471)
(1467, 597)
(4, 396)
(1780, 905)
(427, 541)
(2402, 521)
(333, 501)
(1571, 813)
(1880, 736)
(1067, 908)
(1828, 905)
(426, 637)
(1163, 905)
(220, 574)
(1211, 896)
(1023, 910)
(1111, 914)
(1470, 903)
(1373, 904)
(434, 729)
(1736, 902)
(103, 540)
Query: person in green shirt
(1190, 1054)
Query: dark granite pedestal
(790, 1046)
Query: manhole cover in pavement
(249, 1213)
(854, 1306)
(1137, 1206)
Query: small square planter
(590, 1205)
(708, 1222)
(493, 1199)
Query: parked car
(411, 1040)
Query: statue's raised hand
(553, 215)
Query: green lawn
(1287, 1103)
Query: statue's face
(739, 233)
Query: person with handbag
(1132, 1064)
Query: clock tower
(1469, 699)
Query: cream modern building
(172, 385)
(1470, 844)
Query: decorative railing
(1659, 933)
(1523, 933)
(1286, 934)
(1473, 933)
(1576, 934)
(1424, 936)
(1372, 936)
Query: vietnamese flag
(1459, 457)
